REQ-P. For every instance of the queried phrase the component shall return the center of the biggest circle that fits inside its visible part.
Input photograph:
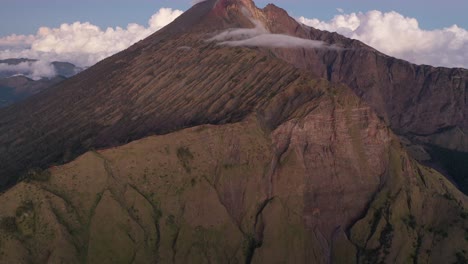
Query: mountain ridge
(185, 150)
(296, 193)
(319, 62)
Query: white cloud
(41, 69)
(82, 44)
(32, 69)
(275, 41)
(163, 17)
(340, 10)
(241, 33)
(401, 37)
(259, 36)
(15, 41)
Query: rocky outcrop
(415, 100)
(424, 105)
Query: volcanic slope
(176, 79)
(330, 184)
(171, 80)
(278, 164)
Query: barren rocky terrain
(330, 185)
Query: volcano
(238, 135)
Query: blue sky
(26, 16)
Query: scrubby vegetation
(36, 174)
(8, 224)
(185, 156)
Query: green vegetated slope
(330, 183)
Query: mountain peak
(211, 15)
(229, 3)
(225, 8)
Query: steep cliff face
(329, 185)
(415, 100)
(424, 105)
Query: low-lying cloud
(276, 41)
(82, 44)
(259, 36)
(31, 69)
(241, 33)
(401, 37)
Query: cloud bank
(401, 37)
(82, 44)
(259, 36)
(31, 69)
(276, 41)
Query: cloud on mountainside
(275, 41)
(82, 44)
(259, 36)
(401, 37)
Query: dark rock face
(424, 104)
(421, 102)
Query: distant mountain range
(16, 84)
